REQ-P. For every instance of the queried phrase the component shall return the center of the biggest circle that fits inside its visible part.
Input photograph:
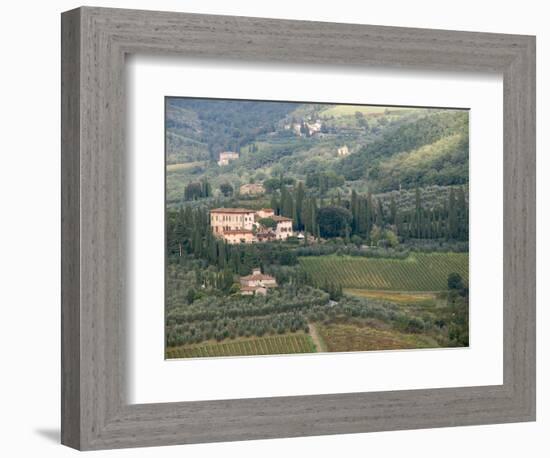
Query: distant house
(314, 127)
(227, 156)
(265, 213)
(343, 151)
(252, 189)
(257, 283)
(281, 231)
(284, 227)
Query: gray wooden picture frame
(95, 412)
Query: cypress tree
(313, 218)
(213, 252)
(452, 233)
(418, 214)
(393, 211)
(306, 213)
(462, 215)
(354, 211)
(380, 214)
(275, 205)
(298, 208)
(369, 217)
(178, 234)
(221, 254)
(362, 217)
(235, 260)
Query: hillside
(388, 148)
(218, 125)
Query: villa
(231, 219)
(241, 225)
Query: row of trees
(366, 217)
(279, 323)
(197, 190)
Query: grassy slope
(350, 110)
(445, 160)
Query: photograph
(310, 227)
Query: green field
(419, 272)
(271, 345)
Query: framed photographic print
(263, 239)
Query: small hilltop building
(265, 213)
(227, 156)
(252, 189)
(343, 151)
(283, 229)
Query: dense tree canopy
(334, 221)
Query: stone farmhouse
(241, 225)
(227, 156)
(313, 128)
(343, 151)
(257, 283)
(252, 189)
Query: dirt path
(317, 339)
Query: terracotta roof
(252, 185)
(280, 218)
(257, 277)
(267, 210)
(231, 210)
